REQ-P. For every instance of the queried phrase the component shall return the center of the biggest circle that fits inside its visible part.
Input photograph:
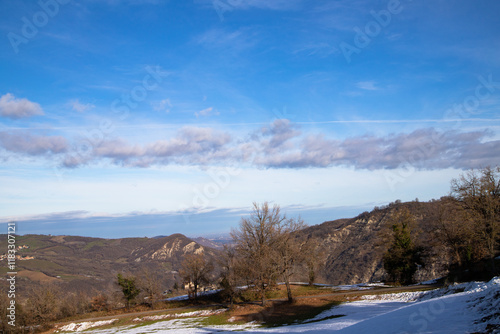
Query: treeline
(464, 228)
(41, 305)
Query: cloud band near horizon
(281, 144)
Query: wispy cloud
(266, 4)
(206, 112)
(164, 105)
(129, 2)
(320, 49)
(367, 85)
(76, 105)
(236, 40)
(340, 15)
(15, 108)
(277, 5)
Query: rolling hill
(349, 252)
(92, 263)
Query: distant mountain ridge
(351, 252)
(94, 262)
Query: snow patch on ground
(82, 326)
(186, 297)
(403, 297)
(352, 287)
(487, 307)
(175, 326)
(356, 287)
(203, 313)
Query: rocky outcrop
(171, 248)
(351, 250)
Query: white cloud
(283, 145)
(422, 149)
(27, 144)
(80, 107)
(280, 145)
(191, 146)
(12, 107)
(206, 112)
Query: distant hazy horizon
(208, 224)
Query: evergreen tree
(403, 257)
(129, 288)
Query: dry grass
(36, 276)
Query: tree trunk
(286, 278)
(312, 276)
(288, 290)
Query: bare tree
(457, 233)
(229, 276)
(479, 192)
(73, 303)
(310, 259)
(256, 242)
(195, 271)
(265, 240)
(42, 305)
(289, 250)
(150, 284)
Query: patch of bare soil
(277, 313)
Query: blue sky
(138, 118)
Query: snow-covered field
(462, 308)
